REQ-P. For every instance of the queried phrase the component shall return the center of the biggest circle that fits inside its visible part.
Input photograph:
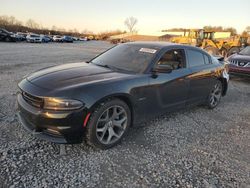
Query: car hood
(73, 74)
(240, 57)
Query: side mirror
(162, 69)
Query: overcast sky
(152, 15)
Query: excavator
(236, 43)
(190, 37)
(205, 40)
(213, 46)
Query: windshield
(127, 57)
(245, 51)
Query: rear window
(206, 59)
(196, 58)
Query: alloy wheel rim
(215, 95)
(111, 125)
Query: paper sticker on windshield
(148, 50)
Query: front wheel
(108, 124)
(215, 95)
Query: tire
(108, 124)
(212, 50)
(215, 95)
(233, 50)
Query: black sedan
(123, 86)
(67, 39)
(6, 36)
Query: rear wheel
(215, 95)
(108, 124)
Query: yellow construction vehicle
(225, 47)
(207, 41)
(236, 43)
(203, 39)
(213, 46)
(190, 37)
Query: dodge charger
(99, 100)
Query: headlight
(61, 104)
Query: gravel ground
(195, 147)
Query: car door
(170, 90)
(201, 77)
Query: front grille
(33, 100)
(240, 63)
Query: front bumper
(54, 126)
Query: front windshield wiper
(112, 67)
(105, 66)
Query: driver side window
(173, 58)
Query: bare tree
(131, 23)
(4, 21)
(32, 24)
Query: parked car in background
(83, 39)
(75, 38)
(240, 62)
(16, 36)
(126, 85)
(34, 38)
(67, 39)
(58, 38)
(21, 36)
(7, 36)
(45, 38)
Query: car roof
(159, 44)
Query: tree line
(217, 29)
(12, 24)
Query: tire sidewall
(92, 124)
(209, 96)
